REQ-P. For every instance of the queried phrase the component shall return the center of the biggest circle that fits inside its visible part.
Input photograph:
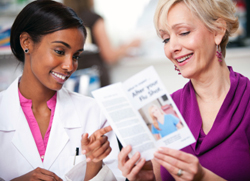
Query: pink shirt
(26, 105)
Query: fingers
(131, 168)
(100, 153)
(43, 174)
(123, 155)
(174, 160)
(97, 150)
(127, 166)
(176, 154)
(85, 140)
(94, 145)
(103, 131)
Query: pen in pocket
(76, 154)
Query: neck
(34, 90)
(212, 85)
(161, 118)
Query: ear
(221, 30)
(25, 41)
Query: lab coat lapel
(24, 142)
(13, 119)
(65, 117)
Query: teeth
(183, 58)
(59, 76)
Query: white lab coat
(75, 114)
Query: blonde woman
(163, 124)
(215, 102)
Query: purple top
(225, 150)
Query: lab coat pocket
(77, 172)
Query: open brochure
(143, 114)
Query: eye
(166, 40)
(59, 52)
(76, 57)
(185, 33)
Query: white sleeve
(112, 159)
(105, 174)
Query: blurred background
(125, 21)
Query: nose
(174, 46)
(68, 64)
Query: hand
(174, 160)
(96, 147)
(141, 171)
(39, 174)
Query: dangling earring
(26, 50)
(176, 68)
(218, 53)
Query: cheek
(167, 51)
(75, 65)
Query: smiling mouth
(180, 60)
(59, 76)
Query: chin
(186, 75)
(56, 88)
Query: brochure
(143, 114)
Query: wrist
(92, 169)
(94, 165)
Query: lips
(182, 59)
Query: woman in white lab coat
(44, 128)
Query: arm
(173, 160)
(109, 53)
(179, 125)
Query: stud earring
(176, 68)
(218, 53)
(26, 50)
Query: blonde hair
(208, 11)
(155, 121)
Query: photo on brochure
(160, 117)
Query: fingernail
(83, 152)
(160, 149)
(128, 147)
(88, 160)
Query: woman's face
(188, 42)
(156, 112)
(55, 57)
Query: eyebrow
(66, 44)
(179, 24)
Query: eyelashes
(165, 41)
(60, 53)
(185, 33)
(181, 34)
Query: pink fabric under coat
(26, 105)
